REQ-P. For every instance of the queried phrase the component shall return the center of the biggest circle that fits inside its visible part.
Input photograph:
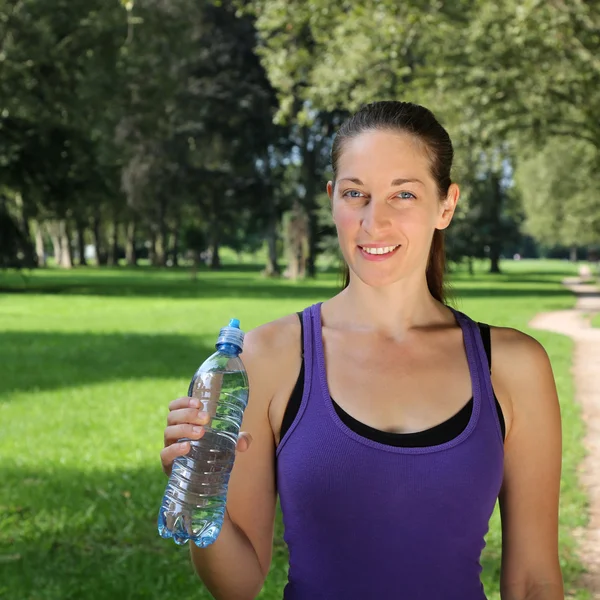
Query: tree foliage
(560, 187)
(128, 124)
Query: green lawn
(596, 320)
(90, 360)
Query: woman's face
(386, 206)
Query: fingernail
(197, 429)
(203, 415)
(194, 403)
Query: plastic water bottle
(193, 506)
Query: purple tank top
(365, 520)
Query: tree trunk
(470, 263)
(66, 255)
(21, 214)
(161, 247)
(115, 241)
(174, 250)
(79, 225)
(272, 268)
(98, 243)
(130, 254)
(297, 237)
(113, 250)
(55, 239)
(39, 244)
(494, 262)
(163, 233)
(152, 250)
(496, 199)
(309, 168)
(573, 254)
(215, 259)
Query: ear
(447, 207)
(330, 193)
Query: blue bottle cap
(232, 334)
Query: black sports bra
(439, 434)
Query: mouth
(378, 253)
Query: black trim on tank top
(439, 434)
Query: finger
(188, 415)
(174, 433)
(244, 441)
(184, 402)
(169, 454)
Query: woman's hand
(186, 421)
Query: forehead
(386, 152)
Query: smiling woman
(406, 142)
(375, 415)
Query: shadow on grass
(222, 287)
(241, 287)
(67, 534)
(60, 360)
(582, 293)
(244, 281)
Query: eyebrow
(394, 182)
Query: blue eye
(350, 194)
(406, 195)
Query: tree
(56, 66)
(498, 74)
(560, 187)
(16, 249)
(205, 142)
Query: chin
(375, 280)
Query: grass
(90, 360)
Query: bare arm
(229, 567)
(529, 497)
(235, 565)
(550, 591)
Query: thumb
(244, 441)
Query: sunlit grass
(90, 360)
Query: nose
(376, 219)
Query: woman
(374, 415)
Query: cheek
(345, 220)
(416, 221)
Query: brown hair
(421, 123)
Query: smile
(378, 254)
(384, 250)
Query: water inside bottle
(194, 502)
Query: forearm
(229, 567)
(548, 591)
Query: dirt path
(586, 373)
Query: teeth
(385, 250)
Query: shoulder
(516, 352)
(271, 352)
(523, 369)
(273, 337)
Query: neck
(393, 310)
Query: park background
(162, 169)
